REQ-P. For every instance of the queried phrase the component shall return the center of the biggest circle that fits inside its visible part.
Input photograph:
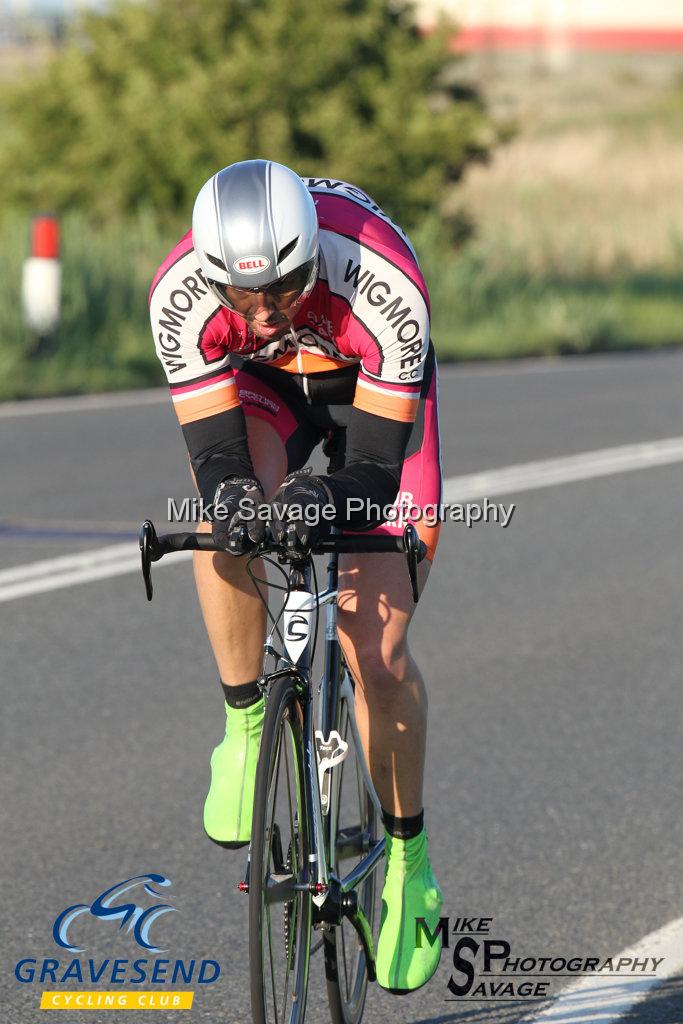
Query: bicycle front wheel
(353, 824)
(279, 869)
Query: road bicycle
(315, 847)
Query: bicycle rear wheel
(279, 897)
(353, 823)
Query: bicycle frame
(335, 684)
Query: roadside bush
(147, 99)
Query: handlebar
(154, 547)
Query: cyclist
(295, 312)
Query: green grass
(485, 306)
(103, 342)
(485, 311)
(579, 219)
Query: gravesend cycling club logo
(484, 966)
(105, 908)
(137, 907)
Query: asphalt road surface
(552, 651)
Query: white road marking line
(94, 525)
(84, 403)
(529, 476)
(48, 566)
(107, 569)
(117, 559)
(603, 1000)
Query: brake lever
(149, 550)
(412, 548)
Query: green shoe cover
(410, 891)
(229, 803)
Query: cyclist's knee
(380, 659)
(213, 565)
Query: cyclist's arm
(218, 449)
(375, 452)
(388, 327)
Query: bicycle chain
(289, 954)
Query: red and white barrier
(41, 285)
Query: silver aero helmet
(255, 228)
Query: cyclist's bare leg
(233, 613)
(375, 609)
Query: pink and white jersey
(370, 307)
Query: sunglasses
(286, 288)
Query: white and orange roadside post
(41, 286)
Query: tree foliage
(146, 100)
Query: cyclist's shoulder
(178, 258)
(184, 312)
(347, 211)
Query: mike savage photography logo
(402, 511)
(487, 968)
(124, 908)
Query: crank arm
(361, 926)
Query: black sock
(403, 828)
(242, 696)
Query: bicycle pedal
(330, 753)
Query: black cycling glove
(302, 513)
(230, 518)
